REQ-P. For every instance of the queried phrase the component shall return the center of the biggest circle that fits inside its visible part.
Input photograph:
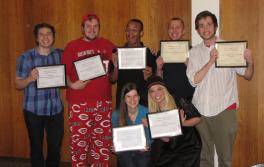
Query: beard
(90, 39)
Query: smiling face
(157, 94)
(45, 38)
(134, 33)
(132, 99)
(206, 28)
(175, 30)
(90, 29)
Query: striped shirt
(42, 102)
(218, 89)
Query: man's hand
(77, 85)
(154, 51)
(250, 68)
(213, 56)
(33, 75)
(159, 62)
(248, 56)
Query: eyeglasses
(45, 35)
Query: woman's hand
(183, 116)
(146, 148)
(144, 122)
(165, 139)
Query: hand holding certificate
(131, 58)
(129, 138)
(89, 68)
(51, 76)
(174, 51)
(231, 54)
(164, 124)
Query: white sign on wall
(199, 6)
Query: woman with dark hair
(179, 151)
(132, 113)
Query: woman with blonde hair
(179, 151)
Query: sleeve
(189, 109)
(22, 67)
(240, 71)
(192, 68)
(114, 119)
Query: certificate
(129, 138)
(51, 76)
(174, 51)
(164, 124)
(131, 58)
(89, 68)
(231, 54)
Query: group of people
(205, 96)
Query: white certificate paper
(231, 54)
(174, 51)
(131, 58)
(165, 124)
(129, 138)
(51, 76)
(89, 68)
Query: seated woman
(131, 113)
(179, 151)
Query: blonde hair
(169, 101)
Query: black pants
(134, 159)
(54, 126)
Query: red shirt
(96, 89)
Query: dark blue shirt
(39, 101)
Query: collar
(126, 44)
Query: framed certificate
(164, 124)
(129, 138)
(131, 58)
(51, 76)
(174, 51)
(89, 68)
(231, 54)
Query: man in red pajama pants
(89, 101)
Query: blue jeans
(134, 159)
(54, 126)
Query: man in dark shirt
(134, 32)
(174, 74)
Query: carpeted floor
(20, 162)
